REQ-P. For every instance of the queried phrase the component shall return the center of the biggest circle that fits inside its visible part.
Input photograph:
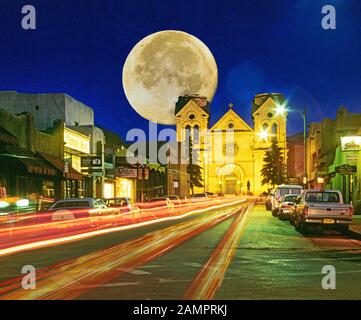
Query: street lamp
(281, 109)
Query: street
(235, 252)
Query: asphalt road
(240, 252)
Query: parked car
(283, 190)
(125, 207)
(323, 208)
(285, 206)
(268, 202)
(122, 203)
(75, 208)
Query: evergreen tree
(273, 171)
(194, 170)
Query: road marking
(211, 276)
(136, 272)
(192, 264)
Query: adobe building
(333, 155)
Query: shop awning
(58, 163)
(33, 164)
(7, 137)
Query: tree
(194, 170)
(273, 171)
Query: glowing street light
(281, 109)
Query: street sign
(125, 172)
(91, 161)
(346, 169)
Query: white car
(283, 190)
(322, 208)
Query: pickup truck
(321, 208)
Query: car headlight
(22, 203)
(4, 204)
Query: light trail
(71, 278)
(87, 234)
(210, 277)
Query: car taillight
(350, 211)
(305, 210)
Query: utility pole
(304, 146)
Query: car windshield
(290, 198)
(72, 204)
(119, 202)
(322, 197)
(284, 191)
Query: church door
(231, 186)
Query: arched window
(188, 132)
(274, 128)
(196, 134)
(265, 126)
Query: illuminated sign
(346, 169)
(125, 172)
(76, 141)
(91, 161)
(351, 143)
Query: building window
(274, 128)
(196, 134)
(192, 116)
(230, 125)
(188, 132)
(265, 127)
(269, 114)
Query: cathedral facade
(231, 152)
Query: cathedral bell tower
(192, 114)
(269, 118)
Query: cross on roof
(230, 105)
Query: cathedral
(231, 152)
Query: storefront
(125, 187)
(27, 175)
(77, 145)
(74, 184)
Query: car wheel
(303, 228)
(292, 221)
(274, 213)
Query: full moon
(162, 67)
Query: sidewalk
(355, 228)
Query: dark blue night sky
(80, 46)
